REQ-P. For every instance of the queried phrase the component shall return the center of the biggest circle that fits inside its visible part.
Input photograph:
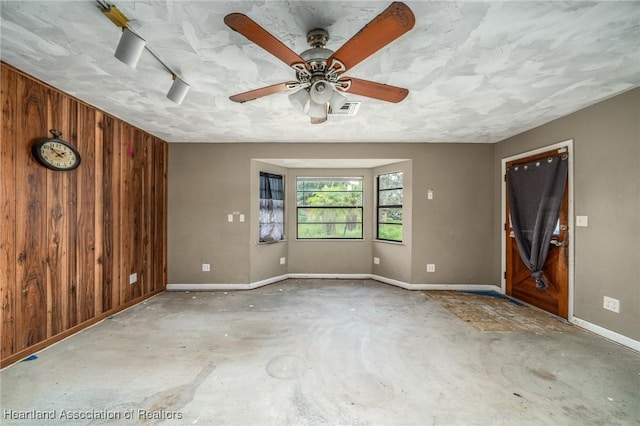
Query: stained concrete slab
(303, 352)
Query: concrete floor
(319, 352)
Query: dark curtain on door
(535, 192)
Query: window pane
(330, 230)
(330, 198)
(271, 215)
(390, 232)
(390, 215)
(325, 215)
(390, 197)
(390, 180)
(329, 207)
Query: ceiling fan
(319, 71)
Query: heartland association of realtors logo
(131, 414)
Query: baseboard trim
(453, 287)
(384, 280)
(210, 287)
(332, 276)
(607, 334)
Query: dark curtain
(271, 207)
(535, 192)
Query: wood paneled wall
(70, 240)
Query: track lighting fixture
(178, 90)
(131, 46)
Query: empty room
(320, 212)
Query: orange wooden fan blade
(259, 93)
(371, 89)
(254, 32)
(396, 20)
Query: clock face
(56, 154)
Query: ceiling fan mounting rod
(317, 37)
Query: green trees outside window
(389, 206)
(329, 207)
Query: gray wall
(607, 190)
(209, 181)
(459, 230)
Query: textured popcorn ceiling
(476, 71)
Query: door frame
(568, 144)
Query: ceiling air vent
(348, 109)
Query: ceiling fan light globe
(300, 100)
(317, 110)
(337, 100)
(321, 92)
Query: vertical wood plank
(127, 213)
(58, 108)
(156, 216)
(136, 203)
(71, 221)
(163, 208)
(31, 228)
(86, 213)
(160, 191)
(147, 188)
(98, 208)
(117, 213)
(107, 224)
(8, 93)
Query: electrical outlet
(283, 260)
(206, 267)
(611, 304)
(431, 267)
(376, 260)
(133, 278)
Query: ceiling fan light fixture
(129, 48)
(300, 100)
(337, 100)
(178, 90)
(321, 92)
(317, 110)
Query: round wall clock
(55, 153)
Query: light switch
(230, 218)
(582, 221)
(430, 194)
(241, 218)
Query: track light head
(178, 90)
(129, 48)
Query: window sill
(395, 243)
(268, 243)
(330, 240)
